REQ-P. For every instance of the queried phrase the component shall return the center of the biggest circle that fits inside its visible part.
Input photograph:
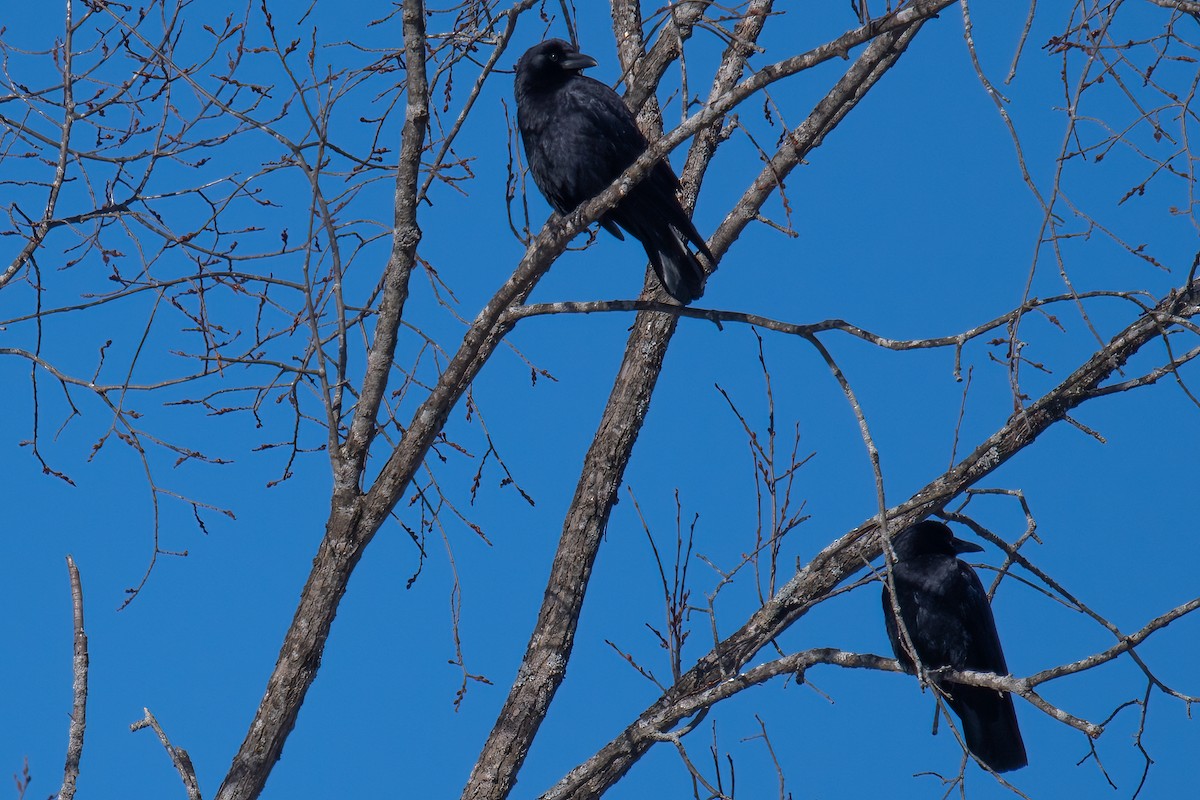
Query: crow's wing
(578, 140)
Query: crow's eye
(554, 56)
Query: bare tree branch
(1186, 6)
(179, 756)
(80, 688)
(113, 214)
(544, 664)
(300, 654)
(846, 555)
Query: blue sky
(912, 221)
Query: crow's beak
(577, 61)
(965, 547)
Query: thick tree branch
(354, 517)
(845, 556)
(1186, 6)
(342, 546)
(544, 665)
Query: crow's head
(550, 64)
(930, 538)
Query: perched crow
(946, 614)
(579, 137)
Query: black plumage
(947, 616)
(579, 136)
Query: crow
(947, 617)
(579, 136)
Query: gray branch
(79, 687)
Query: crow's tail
(677, 267)
(989, 724)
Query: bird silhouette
(946, 614)
(579, 136)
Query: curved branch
(179, 757)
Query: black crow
(946, 614)
(579, 136)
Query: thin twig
(179, 756)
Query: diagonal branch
(179, 757)
(344, 540)
(544, 665)
(355, 517)
(846, 555)
(45, 225)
